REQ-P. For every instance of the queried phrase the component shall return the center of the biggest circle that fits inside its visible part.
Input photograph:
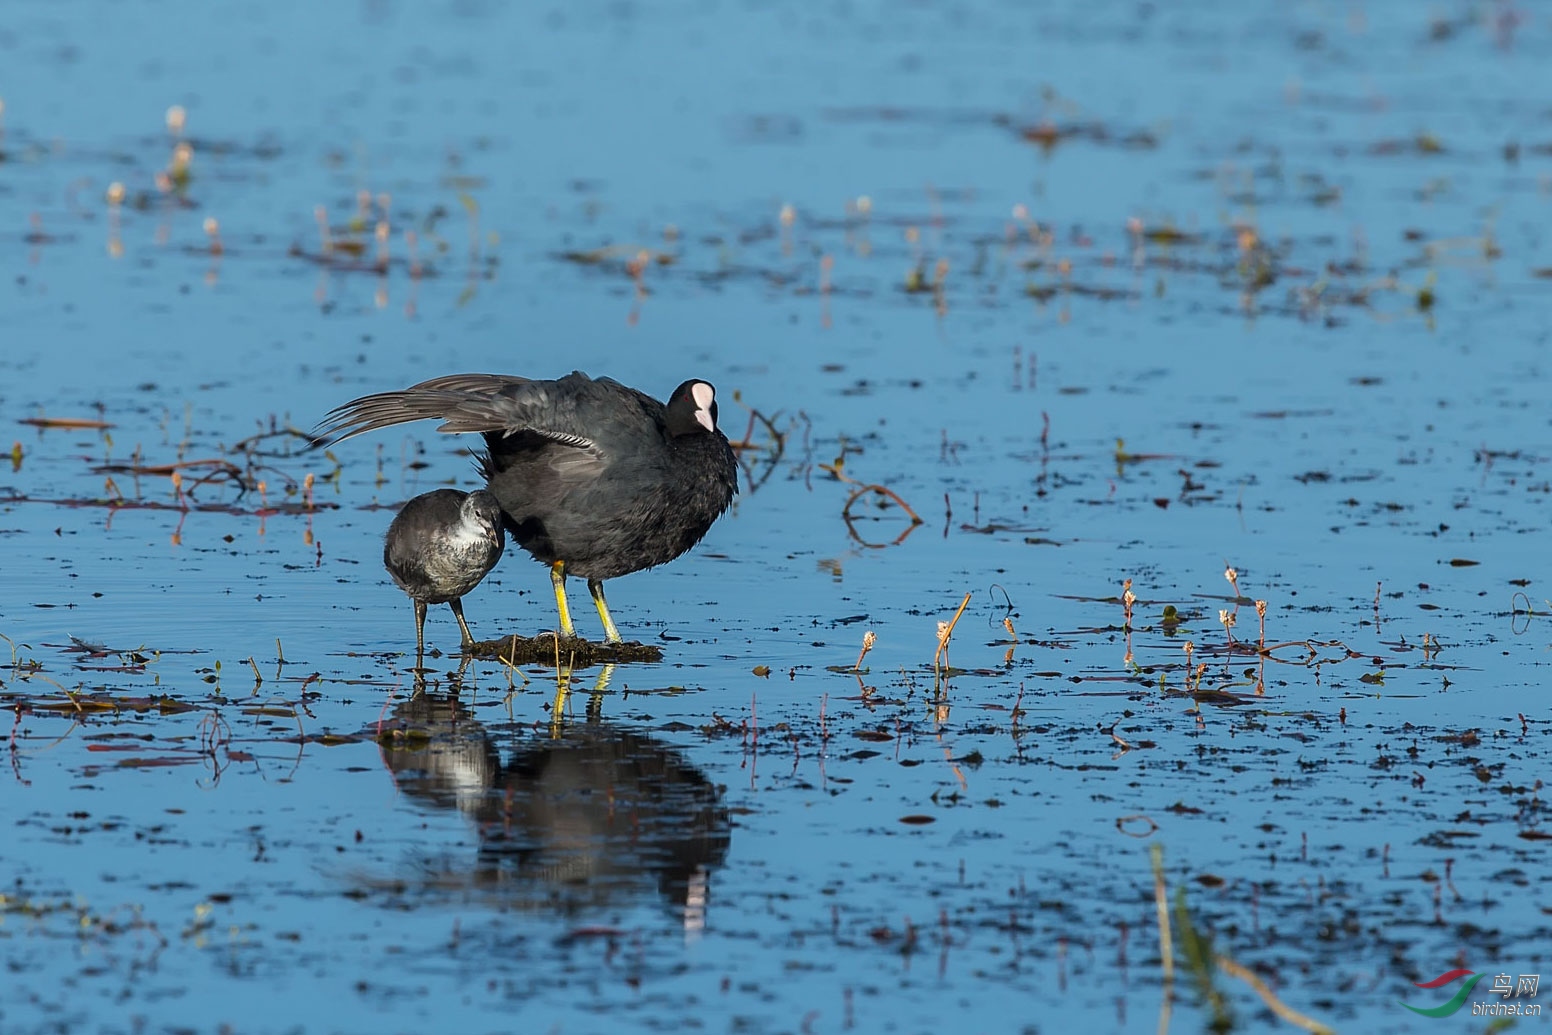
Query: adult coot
(594, 479)
(439, 547)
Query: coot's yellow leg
(595, 703)
(611, 633)
(562, 697)
(558, 577)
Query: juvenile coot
(594, 479)
(439, 547)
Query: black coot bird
(594, 479)
(439, 547)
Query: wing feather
(465, 404)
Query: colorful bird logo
(1454, 1004)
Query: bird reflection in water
(582, 815)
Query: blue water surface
(1103, 291)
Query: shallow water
(1293, 260)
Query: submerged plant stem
(1276, 1005)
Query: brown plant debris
(579, 653)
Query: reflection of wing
(470, 403)
(597, 815)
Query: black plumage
(440, 546)
(593, 478)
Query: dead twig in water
(946, 632)
(76, 423)
(1161, 907)
(1123, 824)
(1276, 1005)
(881, 490)
(250, 444)
(1196, 947)
(860, 489)
(747, 442)
(777, 448)
(147, 470)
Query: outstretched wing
(469, 403)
